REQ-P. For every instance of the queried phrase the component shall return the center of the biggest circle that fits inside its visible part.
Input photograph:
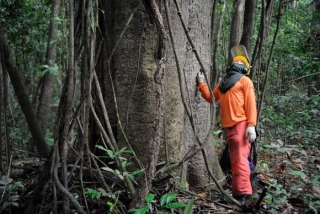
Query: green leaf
(217, 132)
(162, 201)
(171, 197)
(142, 210)
(175, 205)
(149, 198)
(110, 154)
(111, 205)
(4, 206)
(101, 147)
(298, 173)
(127, 152)
(122, 150)
(108, 169)
(137, 172)
(103, 192)
(189, 206)
(272, 146)
(131, 177)
(119, 174)
(167, 198)
(93, 193)
(282, 149)
(13, 198)
(53, 70)
(15, 204)
(5, 180)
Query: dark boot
(241, 199)
(253, 178)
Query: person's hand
(200, 77)
(251, 133)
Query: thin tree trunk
(216, 42)
(23, 98)
(269, 59)
(248, 25)
(236, 25)
(1, 113)
(47, 82)
(67, 106)
(5, 119)
(65, 115)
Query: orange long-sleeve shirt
(236, 105)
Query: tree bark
(156, 132)
(248, 22)
(134, 64)
(2, 113)
(44, 107)
(236, 25)
(66, 111)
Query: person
(236, 95)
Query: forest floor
(289, 173)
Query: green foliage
(96, 194)
(112, 206)
(9, 190)
(294, 118)
(167, 203)
(263, 166)
(53, 70)
(188, 208)
(276, 196)
(26, 25)
(313, 198)
(298, 173)
(112, 155)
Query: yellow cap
(244, 60)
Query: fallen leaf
(283, 167)
(315, 190)
(280, 142)
(298, 160)
(201, 195)
(210, 205)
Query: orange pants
(239, 148)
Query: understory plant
(167, 202)
(9, 192)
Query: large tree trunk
(134, 67)
(196, 15)
(133, 71)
